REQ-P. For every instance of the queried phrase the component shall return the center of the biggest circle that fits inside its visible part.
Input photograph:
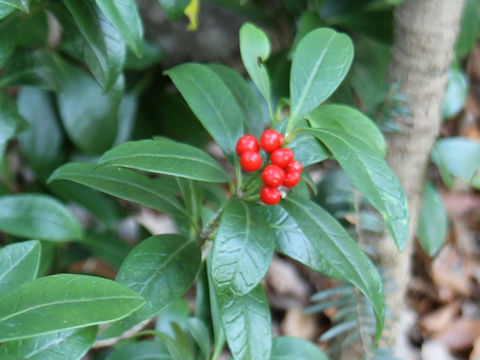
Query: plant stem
(219, 346)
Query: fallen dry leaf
(439, 320)
(461, 334)
(451, 274)
(298, 324)
(475, 354)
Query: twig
(132, 332)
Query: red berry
(273, 175)
(282, 139)
(292, 178)
(270, 140)
(295, 166)
(251, 161)
(270, 195)
(247, 143)
(282, 157)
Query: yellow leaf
(191, 11)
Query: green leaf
(11, 123)
(151, 56)
(123, 14)
(104, 49)
(164, 156)
(307, 149)
(212, 102)
(63, 302)
(470, 26)
(89, 114)
(246, 321)
(174, 8)
(320, 63)
(5, 10)
(372, 176)
(127, 113)
(161, 269)
(287, 348)
(41, 142)
(17, 4)
(433, 222)
(99, 205)
(108, 247)
(122, 183)
(193, 195)
(35, 68)
(200, 333)
(308, 234)
(142, 350)
(457, 156)
(255, 50)
(308, 21)
(32, 30)
(63, 345)
(456, 94)
(242, 250)
(37, 216)
(8, 43)
(247, 101)
(18, 264)
(351, 121)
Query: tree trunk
(425, 34)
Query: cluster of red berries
(283, 170)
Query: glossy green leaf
(142, 350)
(89, 114)
(151, 56)
(308, 234)
(320, 63)
(200, 333)
(307, 149)
(246, 321)
(456, 94)
(11, 123)
(164, 156)
(248, 102)
(161, 269)
(5, 10)
(123, 14)
(17, 4)
(457, 156)
(372, 176)
(62, 302)
(18, 264)
(7, 43)
(37, 216)
(32, 30)
(255, 50)
(308, 21)
(242, 250)
(104, 48)
(101, 206)
(288, 348)
(193, 195)
(64, 345)
(212, 102)
(470, 25)
(122, 183)
(433, 222)
(108, 247)
(127, 113)
(351, 121)
(41, 142)
(35, 68)
(174, 8)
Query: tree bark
(425, 35)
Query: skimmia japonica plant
(230, 222)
